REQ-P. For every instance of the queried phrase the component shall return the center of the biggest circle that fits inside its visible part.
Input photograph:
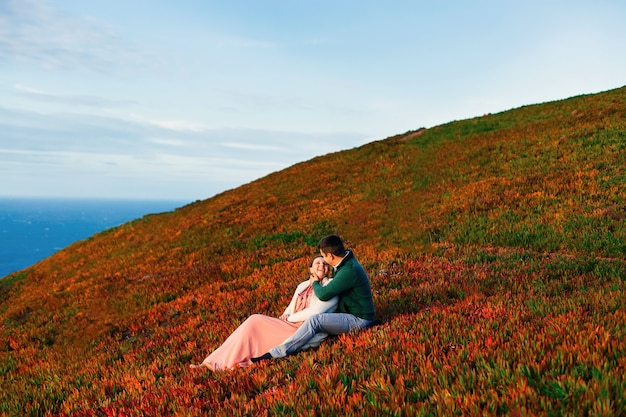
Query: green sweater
(351, 284)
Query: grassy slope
(496, 247)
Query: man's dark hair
(332, 244)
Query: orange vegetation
(496, 248)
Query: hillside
(496, 248)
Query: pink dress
(259, 333)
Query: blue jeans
(331, 323)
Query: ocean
(31, 229)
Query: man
(354, 311)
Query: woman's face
(319, 268)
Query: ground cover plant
(496, 248)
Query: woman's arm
(292, 305)
(317, 306)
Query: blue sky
(185, 99)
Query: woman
(258, 333)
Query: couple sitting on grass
(309, 318)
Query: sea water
(32, 229)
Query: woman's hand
(284, 317)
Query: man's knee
(315, 322)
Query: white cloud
(75, 148)
(72, 99)
(35, 32)
(176, 125)
(168, 142)
(254, 147)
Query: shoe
(263, 357)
